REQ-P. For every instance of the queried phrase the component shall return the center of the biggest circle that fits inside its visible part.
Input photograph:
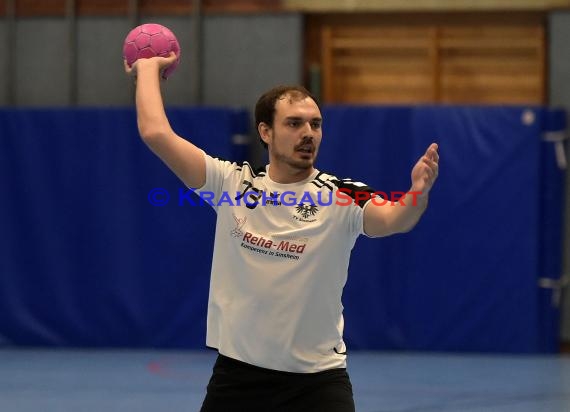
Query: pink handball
(149, 40)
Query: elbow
(403, 226)
(406, 229)
(152, 128)
(408, 226)
(151, 134)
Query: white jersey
(279, 266)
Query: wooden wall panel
(408, 6)
(492, 64)
(379, 64)
(445, 58)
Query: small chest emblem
(306, 212)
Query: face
(296, 135)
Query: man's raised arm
(402, 216)
(181, 156)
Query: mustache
(306, 141)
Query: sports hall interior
(103, 294)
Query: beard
(294, 161)
(299, 159)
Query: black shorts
(240, 387)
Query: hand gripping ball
(150, 40)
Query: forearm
(386, 217)
(151, 117)
(185, 159)
(407, 211)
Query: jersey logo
(236, 231)
(305, 212)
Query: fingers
(431, 167)
(171, 58)
(431, 158)
(131, 70)
(162, 62)
(426, 170)
(432, 153)
(165, 61)
(430, 163)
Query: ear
(265, 132)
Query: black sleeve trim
(358, 191)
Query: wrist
(419, 193)
(147, 65)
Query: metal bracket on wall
(557, 286)
(558, 139)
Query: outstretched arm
(402, 216)
(181, 156)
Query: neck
(288, 174)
